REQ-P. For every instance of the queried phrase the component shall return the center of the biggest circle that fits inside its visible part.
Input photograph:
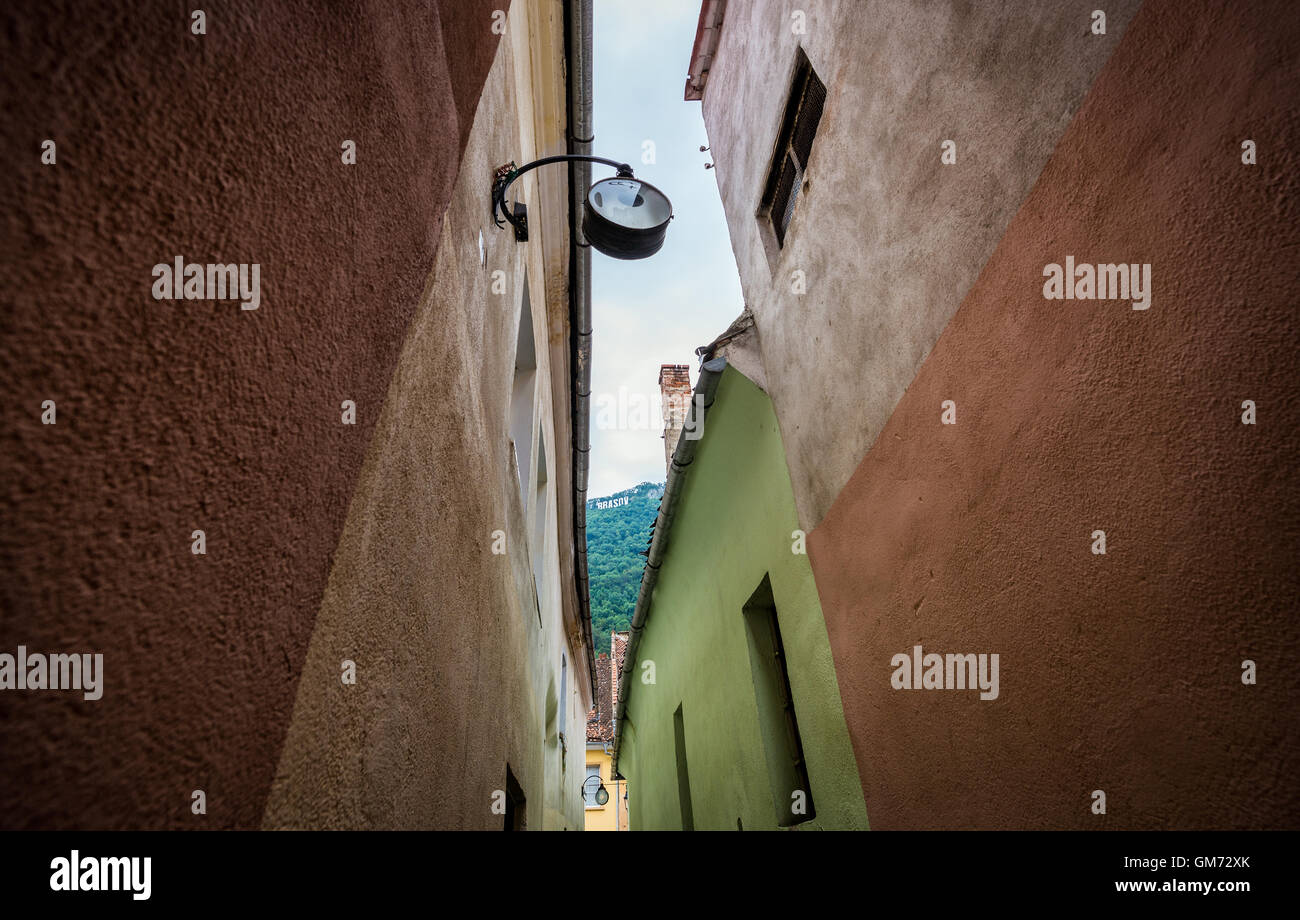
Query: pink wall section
(1119, 672)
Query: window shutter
(803, 114)
(810, 115)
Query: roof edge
(707, 34)
(706, 390)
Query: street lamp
(601, 795)
(623, 217)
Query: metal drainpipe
(706, 388)
(578, 26)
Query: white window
(564, 693)
(541, 507)
(590, 786)
(521, 399)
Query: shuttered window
(794, 145)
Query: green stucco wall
(733, 526)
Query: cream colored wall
(456, 675)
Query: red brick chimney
(675, 389)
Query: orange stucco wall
(1118, 672)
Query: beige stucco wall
(889, 242)
(455, 673)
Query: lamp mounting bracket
(504, 176)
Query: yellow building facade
(612, 814)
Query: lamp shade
(626, 218)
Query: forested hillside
(618, 531)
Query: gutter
(706, 389)
(578, 32)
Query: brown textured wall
(1118, 672)
(175, 416)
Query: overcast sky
(655, 311)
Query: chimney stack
(675, 389)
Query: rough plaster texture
(733, 526)
(888, 242)
(1119, 672)
(456, 675)
(175, 416)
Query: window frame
(775, 706)
(791, 130)
(590, 804)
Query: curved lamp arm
(506, 175)
(600, 787)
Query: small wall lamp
(623, 217)
(601, 795)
